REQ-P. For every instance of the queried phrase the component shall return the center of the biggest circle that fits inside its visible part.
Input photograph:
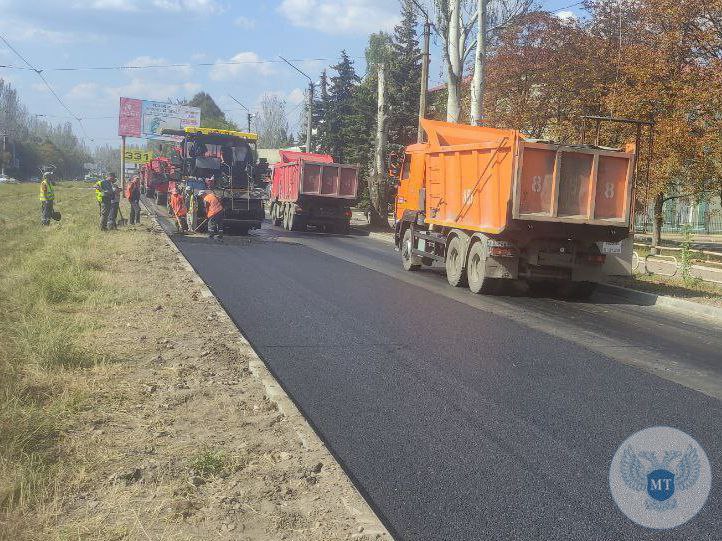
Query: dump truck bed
(313, 175)
(483, 178)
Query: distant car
(7, 180)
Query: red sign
(130, 117)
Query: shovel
(122, 220)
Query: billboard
(141, 118)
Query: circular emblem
(660, 477)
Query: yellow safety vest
(46, 191)
(99, 191)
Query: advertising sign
(140, 118)
(138, 156)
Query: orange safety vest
(177, 203)
(213, 205)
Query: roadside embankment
(129, 404)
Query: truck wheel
(409, 261)
(286, 217)
(343, 228)
(277, 220)
(455, 272)
(476, 271)
(296, 223)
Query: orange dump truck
(493, 206)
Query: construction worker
(104, 193)
(133, 194)
(178, 207)
(47, 197)
(114, 206)
(214, 213)
(99, 194)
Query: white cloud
(209, 7)
(83, 91)
(245, 64)
(16, 30)
(245, 23)
(109, 5)
(149, 61)
(566, 15)
(296, 96)
(341, 16)
(152, 90)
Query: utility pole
(425, 60)
(309, 118)
(248, 113)
(4, 136)
(122, 164)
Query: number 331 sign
(138, 156)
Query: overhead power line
(165, 66)
(39, 73)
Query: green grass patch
(208, 463)
(51, 279)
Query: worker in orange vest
(178, 207)
(132, 192)
(214, 213)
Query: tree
(342, 127)
(322, 112)
(211, 115)
(668, 52)
(272, 124)
(404, 80)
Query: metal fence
(678, 218)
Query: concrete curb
(651, 299)
(274, 391)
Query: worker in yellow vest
(47, 197)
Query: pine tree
(341, 128)
(404, 80)
(322, 115)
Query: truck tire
(455, 259)
(286, 217)
(343, 227)
(276, 217)
(296, 222)
(409, 261)
(476, 271)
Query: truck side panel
(469, 186)
(573, 184)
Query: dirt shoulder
(177, 432)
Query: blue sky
(82, 33)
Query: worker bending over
(132, 192)
(214, 213)
(47, 197)
(178, 207)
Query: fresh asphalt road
(466, 417)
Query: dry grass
(51, 286)
(120, 420)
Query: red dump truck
(154, 177)
(494, 206)
(309, 189)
